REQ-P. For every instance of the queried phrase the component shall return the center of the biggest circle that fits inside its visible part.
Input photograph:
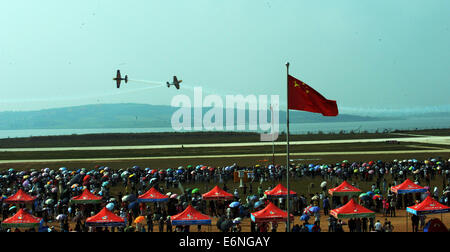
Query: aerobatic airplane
(175, 83)
(119, 79)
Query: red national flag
(303, 97)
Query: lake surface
(295, 128)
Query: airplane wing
(118, 74)
(175, 80)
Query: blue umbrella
(253, 197)
(235, 204)
(371, 194)
(304, 217)
(258, 204)
(133, 205)
(179, 171)
(314, 209)
(110, 206)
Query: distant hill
(129, 115)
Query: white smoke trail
(147, 82)
(69, 99)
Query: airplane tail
(168, 84)
(126, 78)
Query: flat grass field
(243, 155)
(191, 138)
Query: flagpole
(287, 151)
(273, 138)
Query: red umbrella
(377, 197)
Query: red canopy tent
(105, 218)
(408, 187)
(280, 191)
(190, 216)
(435, 225)
(22, 219)
(217, 193)
(428, 206)
(20, 197)
(345, 189)
(152, 195)
(352, 210)
(270, 214)
(86, 197)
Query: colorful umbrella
(235, 204)
(314, 209)
(258, 204)
(377, 197)
(139, 219)
(49, 201)
(110, 206)
(304, 217)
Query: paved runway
(441, 140)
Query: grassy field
(261, 154)
(347, 147)
(220, 162)
(189, 138)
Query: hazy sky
(365, 54)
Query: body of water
(296, 128)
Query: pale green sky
(364, 54)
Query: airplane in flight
(175, 83)
(119, 79)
